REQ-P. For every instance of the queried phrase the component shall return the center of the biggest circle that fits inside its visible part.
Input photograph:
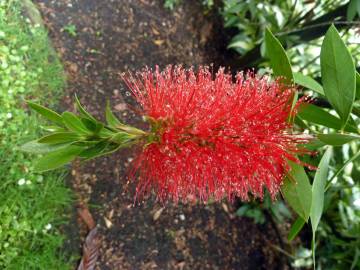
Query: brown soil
(113, 36)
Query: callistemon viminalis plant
(210, 135)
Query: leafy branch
(79, 135)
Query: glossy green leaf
(296, 190)
(82, 110)
(100, 149)
(93, 126)
(338, 74)
(47, 113)
(74, 123)
(318, 189)
(314, 144)
(58, 158)
(318, 194)
(353, 9)
(89, 124)
(296, 228)
(35, 147)
(317, 115)
(111, 119)
(106, 133)
(337, 139)
(94, 150)
(279, 61)
(300, 122)
(308, 83)
(59, 137)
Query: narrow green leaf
(99, 150)
(121, 137)
(58, 158)
(318, 194)
(94, 127)
(89, 124)
(308, 83)
(337, 139)
(357, 85)
(60, 137)
(74, 123)
(291, 119)
(318, 189)
(35, 147)
(338, 74)
(279, 61)
(47, 113)
(110, 117)
(317, 115)
(314, 144)
(82, 110)
(106, 133)
(94, 150)
(300, 122)
(296, 228)
(296, 190)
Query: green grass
(32, 205)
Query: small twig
(280, 250)
(285, 33)
(309, 63)
(341, 169)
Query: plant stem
(341, 169)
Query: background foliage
(32, 204)
(336, 236)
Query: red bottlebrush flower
(212, 136)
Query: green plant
(299, 25)
(70, 29)
(251, 18)
(314, 199)
(258, 210)
(32, 204)
(171, 4)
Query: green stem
(341, 169)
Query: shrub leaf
(57, 158)
(308, 82)
(338, 74)
(296, 190)
(337, 139)
(279, 61)
(47, 113)
(74, 123)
